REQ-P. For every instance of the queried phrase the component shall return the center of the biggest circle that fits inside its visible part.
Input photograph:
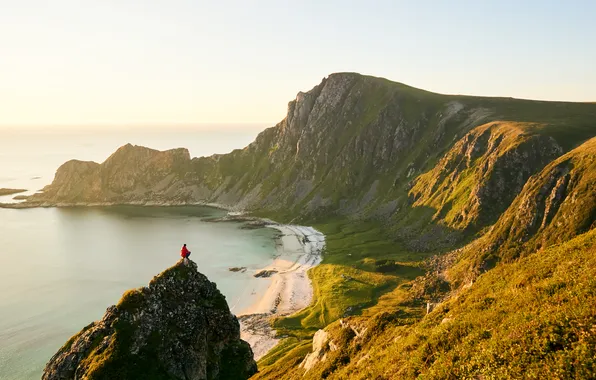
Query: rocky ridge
(179, 327)
(479, 177)
(554, 206)
(354, 146)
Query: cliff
(132, 173)
(554, 206)
(179, 327)
(434, 167)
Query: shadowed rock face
(179, 327)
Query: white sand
(289, 289)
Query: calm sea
(61, 268)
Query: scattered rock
(237, 269)
(321, 344)
(254, 224)
(362, 359)
(430, 306)
(265, 273)
(446, 320)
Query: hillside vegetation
(533, 318)
(524, 310)
(427, 200)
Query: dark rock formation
(479, 177)
(265, 273)
(179, 327)
(237, 269)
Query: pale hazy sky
(183, 61)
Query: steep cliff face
(179, 327)
(555, 205)
(480, 176)
(131, 174)
(433, 167)
(337, 143)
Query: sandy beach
(289, 289)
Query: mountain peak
(178, 327)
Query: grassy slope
(357, 248)
(533, 318)
(479, 334)
(360, 264)
(555, 205)
(490, 156)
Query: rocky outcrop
(265, 273)
(179, 327)
(554, 206)
(321, 345)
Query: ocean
(61, 268)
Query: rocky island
(178, 327)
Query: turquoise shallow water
(61, 268)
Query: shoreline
(26, 204)
(289, 289)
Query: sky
(135, 62)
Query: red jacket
(184, 251)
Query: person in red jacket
(184, 252)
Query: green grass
(369, 268)
(348, 280)
(533, 318)
(525, 226)
(360, 265)
(530, 316)
(480, 163)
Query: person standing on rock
(184, 252)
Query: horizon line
(137, 124)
